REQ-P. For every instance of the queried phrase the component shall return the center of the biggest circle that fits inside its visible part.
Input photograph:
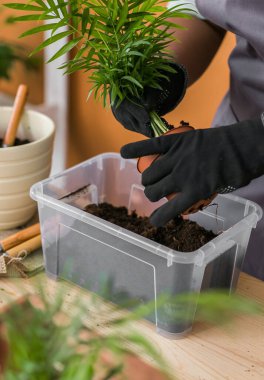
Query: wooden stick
(19, 237)
(18, 108)
(28, 246)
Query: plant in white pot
(122, 45)
(24, 160)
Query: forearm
(197, 45)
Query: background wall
(10, 33)
(94, 130)
(47, 85)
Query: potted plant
(29, 159)
(23, 162)
(123, 46)
(3, 350)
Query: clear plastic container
(119, 264)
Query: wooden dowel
(28, 246)
(17, 112)
(19, 237)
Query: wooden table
(208, 353)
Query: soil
(179, 234)
(17, 142)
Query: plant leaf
(65, 49)
(132, 80)
(123, 15)
(38, 29)
(51, 40)
(23, 7)
(38, 17)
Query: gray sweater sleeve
(189, 7)
(245, 18)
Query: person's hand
(198, 163)
(134, 116)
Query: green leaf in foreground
(213, 306)
(48, 344)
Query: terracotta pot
(145, 161)
(3, 350)
(134, 368)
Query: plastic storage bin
(89, 251)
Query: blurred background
(84, 128)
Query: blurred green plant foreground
(47, 342)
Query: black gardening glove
(136, 118)
(198, 163)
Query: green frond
(122, 43)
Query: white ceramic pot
(21, 166)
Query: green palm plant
(121, 44)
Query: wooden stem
(28, 246)
(18, 108)
(19, 237)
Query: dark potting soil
(179, 234)
(17, 142)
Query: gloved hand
(198, 163)
(135, 117)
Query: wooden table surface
(208, 353)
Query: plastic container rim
(197, 256)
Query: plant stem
(158, 126)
